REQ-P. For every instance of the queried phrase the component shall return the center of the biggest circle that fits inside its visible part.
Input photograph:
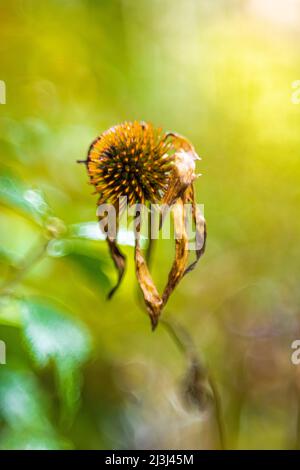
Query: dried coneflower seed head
(131, 159)
(136, 160)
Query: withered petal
(117, 256)
(181, 250)
(151, 296)
(200, 227)
(120, 262)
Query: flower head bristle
(131, 159)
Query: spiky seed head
(132, 159)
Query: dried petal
(120, 262)
(117, 256)
(152, 298)
(181, 250)
(183, 168)
(200, 226)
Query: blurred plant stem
(34, 255)
(196, 382)
(218, 410)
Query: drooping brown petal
(181, 250)
(111, 238)
(179, 142)
(120, 262)
(183, 169)
(200, 227)
(174, 190)
(151, 296)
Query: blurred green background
(84, 373)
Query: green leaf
(22, 405)
(7, 151)
(8, 264)
(24, 411)
(8, 257)
(86, 257)
(28, 201)
(28, 439)
(92, 268)
(52, 335)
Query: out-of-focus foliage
(82, 372)
(48, 335)
(25, 410)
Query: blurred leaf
(51, 335)
(24, 409)
(7, 257)
(92, 268)
(86, 256)
(21, 402)
(8, 263)
(10, 312)
(7, 150)
(30, 440)
(29, 202)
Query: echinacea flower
(136, 160)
